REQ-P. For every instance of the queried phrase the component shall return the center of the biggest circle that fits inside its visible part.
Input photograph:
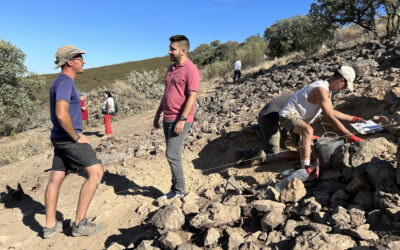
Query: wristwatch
(182, 118)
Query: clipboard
(368, 127)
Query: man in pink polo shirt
(178, 104)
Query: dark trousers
(237, 74)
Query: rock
(235, 200)
(211, 237)
(387, 200)
(170, 240)
(249, 246)
(276, 240)
(364, 199)
(216, 215)
(340, 218)
(357, 217)
(339, 195)
(313, 240)
(190, 208)
(364, 67)
(272, 219)
(235, 240)
(115, 246)
(169, 218)
(147, 245)
(363, 234)
(293, 228)
(188, 246)
(269, 193)
(263, 206)
(356, 154)
(382, 175)
(309, 206)
(356, 185)
(294, 191)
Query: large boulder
(359, 153)
(382, 175)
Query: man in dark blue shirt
(71, 148)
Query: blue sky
(126, 30)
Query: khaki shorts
(288, 123)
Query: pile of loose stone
(359, 208)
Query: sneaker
(86, 228)
(313, 170)
(49, 232)
(171, 194)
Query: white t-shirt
(109, 102)
(299, 105)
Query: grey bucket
(325, 146)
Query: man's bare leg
(306, 132)
(95, 174)
(51, 196)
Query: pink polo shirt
(178, 81)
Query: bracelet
(76, 139)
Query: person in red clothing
(108, 109)
(84, 110)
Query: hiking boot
(171, 194)
(313, 170)
(259, 158)
(49, 232)
(86, 228)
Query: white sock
(305, 163)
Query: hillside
(101, 76)
(356, 207)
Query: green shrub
(295, 34)
(252, 52)
(18, 88)
(219, 68)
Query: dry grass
(23, 145)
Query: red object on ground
(107, 122)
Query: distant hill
(94, 77)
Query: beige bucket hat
(66, 53)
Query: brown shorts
(288, 122)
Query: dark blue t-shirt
(63, 88)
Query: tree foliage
(18, 87)
(361, 12)
(296, 33)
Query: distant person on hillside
(307, 103)
(84, 110)
(237, 66)
(108, 110)
(71, 148)
(178, 104)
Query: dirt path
(123, 190)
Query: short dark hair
(181, 39)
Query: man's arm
(63, 117)
(156, 121)
(191, 101)
(330, 114)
